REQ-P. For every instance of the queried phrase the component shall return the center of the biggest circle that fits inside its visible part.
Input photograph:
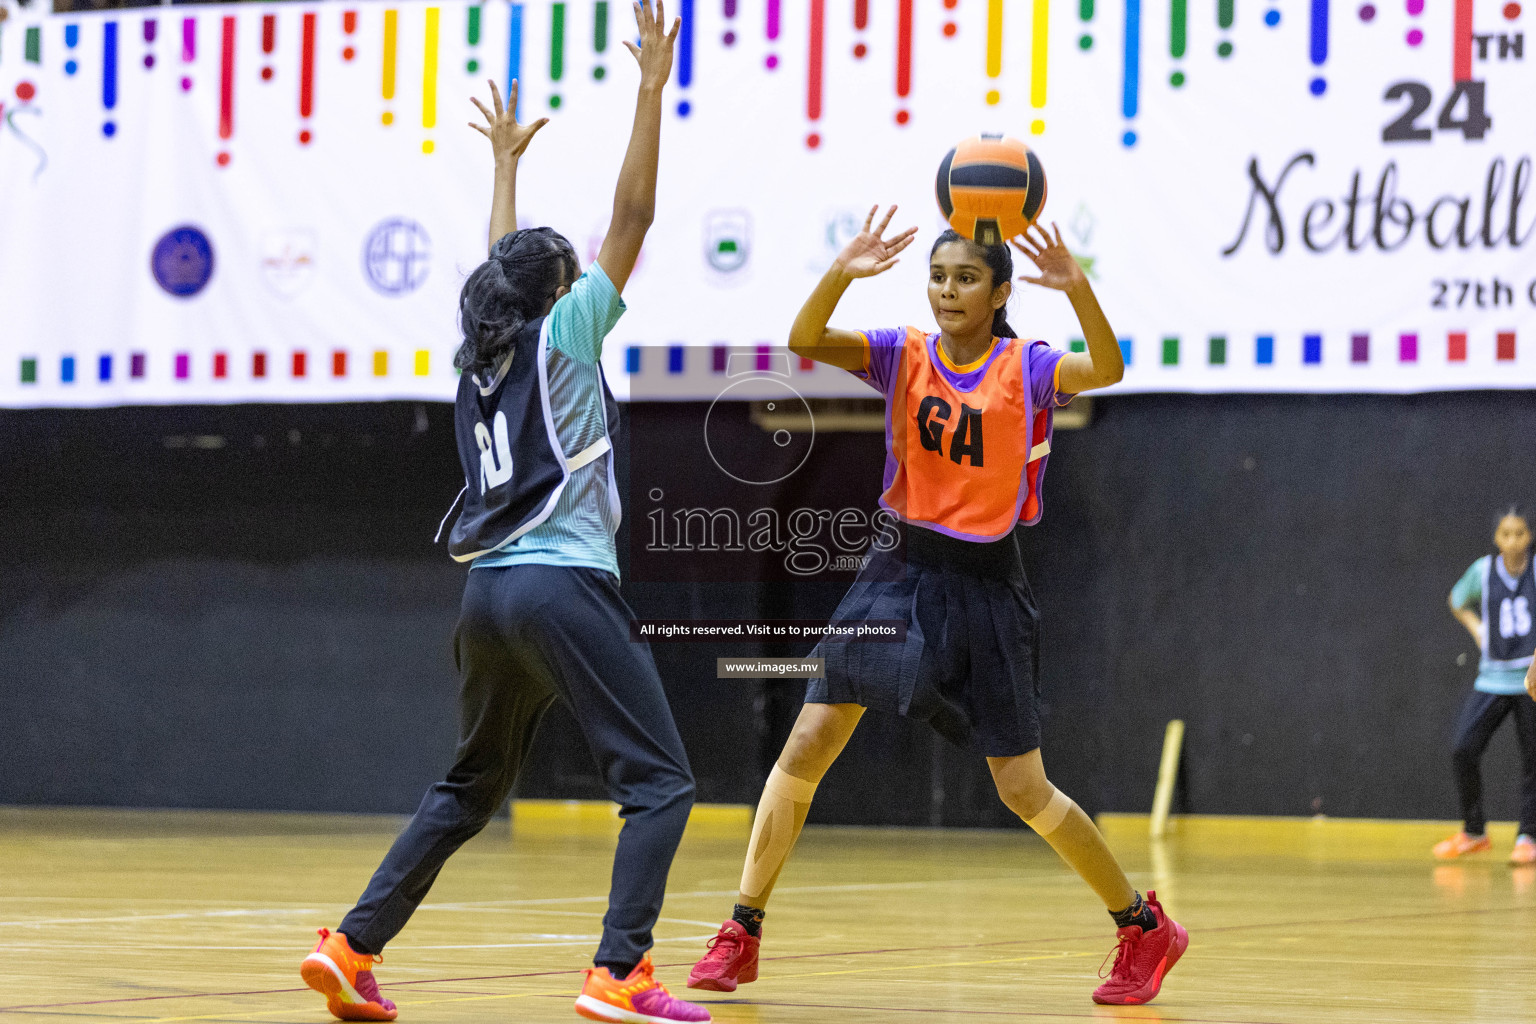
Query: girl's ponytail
(513, 287)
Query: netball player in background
(968, 429)
(1502, 589)
(542, 618)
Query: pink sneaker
(1524, 851)
(637, 999)
(731, 960)
(1143, 958)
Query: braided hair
(998, 260)
(515, 285)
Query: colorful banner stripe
(183, 366)
(515, 52)
(391, 49)
(378, 363)
(109, 76)
(990, 19)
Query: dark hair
(1512, 510)
(514, 286)
(999, 260)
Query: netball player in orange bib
(968, 432)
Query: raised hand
(1058, 268)
(654, 54)
(868, 253)
(508, 138)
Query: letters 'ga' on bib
(966, 463)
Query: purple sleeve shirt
(884, 345)
(881, 357)
(1044, 376)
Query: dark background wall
(241, 607)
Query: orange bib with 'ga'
(966, 460)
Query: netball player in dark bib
(542, 619)
(1495, 599)
(968, 434)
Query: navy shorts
(970, 664)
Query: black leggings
(527, 635)
(1480, 716)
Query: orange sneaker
(346, 980)
(1524, 851)
(637, 999)
(1461, 844)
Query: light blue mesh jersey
(579, 532)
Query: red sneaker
(1142, 959)
(731, 960)
(345, 978)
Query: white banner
(280, 203)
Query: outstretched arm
(867, 255)
(1102, 365)
(508, 141)
(634, 200)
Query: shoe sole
(713, 984)
(345, 1002)
(1148, 992)
(595, 1009)
(723, 984)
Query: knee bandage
(773, 829)
(1052, 814)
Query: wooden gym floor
(198, 916)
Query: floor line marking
(155, 917)
(1036, 941)
(720, 893)
(1154, 1014)
(310, 1012)
(585, 940)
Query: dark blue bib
(513, 465)
(1507, 615)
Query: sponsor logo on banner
(1314, 198)
(288, 260)
(397, 256)
(1081, 227)
(25, 93)
(182, 261)
(727, 240)
(838, 228)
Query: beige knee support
(773, 830)
(1052, 814)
